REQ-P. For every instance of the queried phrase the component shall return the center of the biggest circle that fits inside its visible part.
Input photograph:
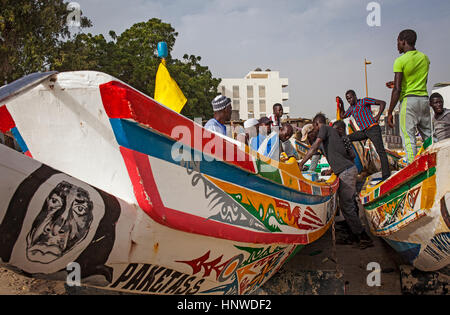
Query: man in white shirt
(277, 114)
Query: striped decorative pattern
(425, 163)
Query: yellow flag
(167, 91)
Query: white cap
(251, 122)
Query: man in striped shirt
(368, 125)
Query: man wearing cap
(250, 131)
(264, 129)
(309, 136)
(222, 113)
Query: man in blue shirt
(222, 113)
(264, 130)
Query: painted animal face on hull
(63, 222)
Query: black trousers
(374, 134)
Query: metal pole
(365, 66)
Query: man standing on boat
(410, 88)
(361, 110)
(343, 166)
(275, 117)
(222, 113)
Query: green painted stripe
(268, 171)
(428, 143)
(397, 192)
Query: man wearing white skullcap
(222, 113)
(251, 130)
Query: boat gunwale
(331, 184)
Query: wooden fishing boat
(410, 210)
(367, 159)
(144, 199)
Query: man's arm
(395, 97)
(382, 105)
(341, 107)
(310, 153)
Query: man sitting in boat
(264, 130)
(343, 166)
(441, 119)
(271, 145)
(222, 113)
(288, 150)
(250, 131)
(309, 136)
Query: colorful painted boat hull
(411, 209)
(212, 225)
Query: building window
(251, 105)
(236, 104)
(236, 91)
(262, 106)
(262, 91)
(251, 115)
(249, 91)
(223, 90)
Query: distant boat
(143, 199)
(410, 210)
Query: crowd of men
(269, 136)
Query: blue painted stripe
(19, 139)
(134, 137)
(410, 251)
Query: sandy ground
(12, 283)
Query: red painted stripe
(121, 101)
(306, 220)
(313, 216)
(306, 227)
(420, 165)
(139, 191)
(149, 200)
(6, 120)
(115, 101)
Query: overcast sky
(318, 45)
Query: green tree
(29, 32)
(133, 58)
(197, 84)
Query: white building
(254, 95)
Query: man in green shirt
(410, 88)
